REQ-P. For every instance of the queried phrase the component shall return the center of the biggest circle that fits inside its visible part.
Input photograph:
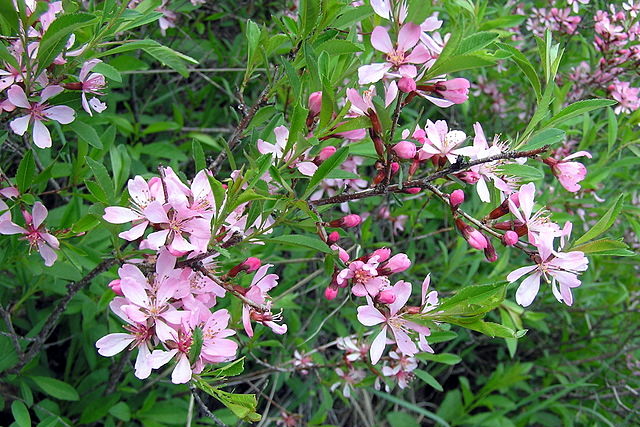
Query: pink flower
(439, 141)
(179, 343)
(398, 57)
(401, 370)
(37, 113)
(261, 284)
(555, 267)
(392, 319)
(405, 149)
(536, 223)
(510, 238)
(92, 84)
(626, 96)
(475, 238)
(364, 277)
(34, 232)
(349, 378)
(277, 149)
(449, 92)
(396, 264)
(139, 337)
(141, 194)
(569, 173)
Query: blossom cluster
(27, 86)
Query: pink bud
(456, 198)
(412, 190)
(405, 149)
(333, 237)
(348, 221)
(407, 84)
(470, 177)
(249, 265)
(396, 264)
(315, 103)
(477, 240)
(330, 292)
(115, 287)
(395, 167)
(510, 238)
(386, 297)
(383, 254)
(342, 254)
(326, 152)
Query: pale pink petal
(19, 126)
(182, 372)
(50, 92)
(143, 366)
(528, 290)
(419, 55)
(370, 74)
(135, 232)
(408, 36)
(155, 213)
(160, 358)
(307, 168)
(112, 344)
(8, 227)
(518, 273)
(47, 253)
(378, 345)
(282, 136)
(17, 97)
(380, 40)
(119, 215)
(39, 214)
(402, 291)
(382, 8)
(526, 196)
(41, 135)
(391, 93)
(60, 113)
(404, 343)
(369, 315)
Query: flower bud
(407, 84)
(405, 149)
(503, 209)
(342, 254)
(331, 292)
(396, 264)
(470, 177)
(333, 237)
(383, 254)
(475, 238)
(348, 221)
(248, 265)
(386, 297)
(510, 238)
(395, 167)
(326, 152)
(115, 287)
(315, 103)
(490, 252)
(412, 190)
(456, 198)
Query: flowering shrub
(261, 228)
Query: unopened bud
(348, 221)
(331, 292)
(475, 238)
(115, 287)
(386, 297)
(333, 237)
(490, 252)
(383, 254)
(456, 198)
(248, 265)
(405, 149)
(315, 103)
(396, 264)
(470, 177)
(510, 238)
(412, 190)
(407, 84)
(326, 152)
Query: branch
(52, 321)
(15, 339)
(424, 182)
(237, 133)
(205, 409)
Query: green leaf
(476, 42)
(302, 241)
(6, 56)
(309, 13)
(352, 14)
(525, 66)
(56, 36)
(446, 358)
(196, 346)
(417, 409)
(218, 190)
(26, 172)
(198, 155)
(485, 296)
(108, 71)
(508, 21)
(8, 18)
(350, 124)
(401, 419)
(121, 411)
(338, 47)
(456, 63)
(86, 223)
(604, 223)
(102, 178)
(86, 132)
(325, 168)
(545, 137)
(56, 388)
(612, 129)
(490, 328)
(253, 40)
(578, 108)
(605, 247)
(524, 172)
(20, 414)
(170, 58)
(428, 378)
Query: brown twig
(424, 182)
